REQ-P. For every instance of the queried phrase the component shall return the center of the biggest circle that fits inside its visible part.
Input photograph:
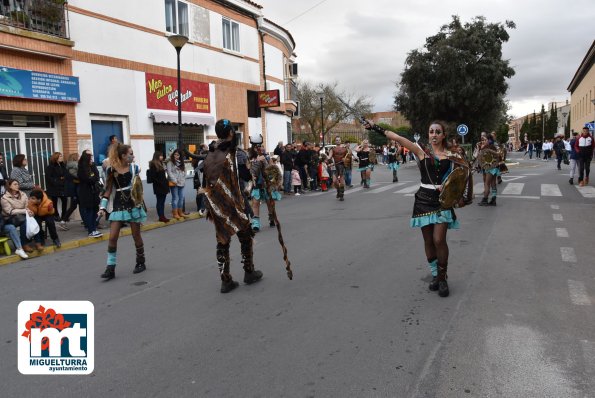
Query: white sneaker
(202, 213)
(297, 194)
(95, 234)
(21, 253)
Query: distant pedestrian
(558, 148)
(156, 175)
(89, 190)
(176, 174)
(584, 149)
(573, 157)
(287, 161)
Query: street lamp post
(178, 42)
(322, 119)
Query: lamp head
(177, 41)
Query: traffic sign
(590, 126)
(462, 129)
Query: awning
(169, 117)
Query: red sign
(268, 99)
(162, 93)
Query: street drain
(139, 283)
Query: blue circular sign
(462, 129)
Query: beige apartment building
(582, 92)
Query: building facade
(582, 93)
(125, 71)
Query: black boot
(227, 282)
(250, 274)
(571, 181)
(140, 260)
(433, 286)
(484, 202)
(109, 273)
(492, 201)
(442, 277)
(341, 193)
(499, 180)
(271, 221)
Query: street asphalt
(356, 321)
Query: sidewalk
(76, 236)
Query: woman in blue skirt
(121, 201)
(435, 164)
(393, 162)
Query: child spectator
(323, 175)
(296, 181)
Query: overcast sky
(362, 44)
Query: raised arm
(413, 147)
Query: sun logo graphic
(56, 337)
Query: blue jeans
(89, 217)
(177, 197)
(16, 237)
(348, 177)
(160, 204)
(287, 181)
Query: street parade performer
(225, 204)
(259, 162)
(488, 160)
(445, 183)
(337, 156)
(123, 201)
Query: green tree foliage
(551, 123)
(459, 76)
(378, 139)
(333, 110)
(567, 125)
(525, 129)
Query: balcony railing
(43, 16)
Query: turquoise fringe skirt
(136, 214)
(439, 217)
(394, 166)
(495, 171)
(261, 194)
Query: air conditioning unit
(293, 70)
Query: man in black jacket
(287, 159)
(302, 161)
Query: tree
(334, 111)
(551, 122)
(525, 129)
(458, 77)
(567, 125)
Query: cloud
(364, 48)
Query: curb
(73, 244)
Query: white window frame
(234, 41)
(176, 18)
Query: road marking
(353, 190)
(550, 190)
(478, 187)
(555, 207)
(562, 233)
(408, 189)
(479, 195)
(578, 293)
(568, 255)
(513, 188)
(587, 192)
(386, 188)
(511, 178)
(557, 217)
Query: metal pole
(322, 121)
(180, 143)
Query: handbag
(137, 187)
(17, 220)
(32, 226)
(171, 184)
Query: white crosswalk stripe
(386, 188)
(550, 190)
(587, 192)
(513, 188)
(578, 293)
(568, 254)
(350, 191)
(410, 189)
(562, 233)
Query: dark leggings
(584, 167)
(63, 199)
(435, 242)
(73, 205)
(160, 204)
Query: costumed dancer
(259, 161)
(337, 156)
(393, 161)
(225, 205)
(366, 158)
(488, 160)
(502, 153)
(123, 201)
(436, 164)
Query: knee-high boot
(227, 282)
(250, 274)
(110, 270)
(442, 276)
(140, 260)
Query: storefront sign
(162, 93)
(38, 85)
(268, 99)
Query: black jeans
(63, 200)
(51, 226)
(584, 166)
(160, 204)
